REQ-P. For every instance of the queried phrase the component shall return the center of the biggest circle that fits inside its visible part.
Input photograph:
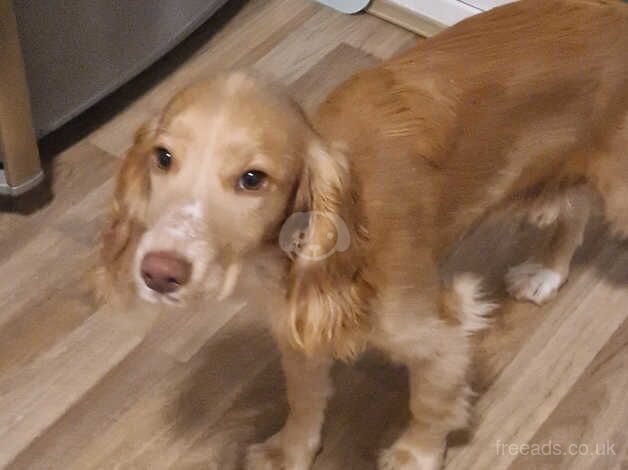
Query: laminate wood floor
(85, 387)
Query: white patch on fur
(237, 81)
(533, 282)
(428, 460)
(193, 210)
(271, 455)
(474, 311)
(405, 457)
(545, 214)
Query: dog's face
(209, 183)
(223, 166)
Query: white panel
(446, 12)
(487, 4)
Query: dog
(334, 224)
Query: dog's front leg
(308, 387)
(438, 405)
(437, 353)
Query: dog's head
(230, 168)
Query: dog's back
(528, 93)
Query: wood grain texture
(84, 386)
(593, 415)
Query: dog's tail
(466, 302)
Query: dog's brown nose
(165, 271)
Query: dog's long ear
(130, 196)
(126, 216)
(327, 292)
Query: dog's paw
(533, 282)
(398, 458)
(270, 455)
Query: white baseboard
(405, 18)
(427, 17)
(446, 12)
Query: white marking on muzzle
(180, 230)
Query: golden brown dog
(336, 223)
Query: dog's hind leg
(539, 278)
(609, 175)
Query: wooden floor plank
(68, 182)
(44, 320)
(85, 422)
(312, 87)
(62, 375)
(34, 270)
(303, 48)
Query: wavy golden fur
(525, 105)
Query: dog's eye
(163, 157)
(252, 180)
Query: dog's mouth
(156, 298)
